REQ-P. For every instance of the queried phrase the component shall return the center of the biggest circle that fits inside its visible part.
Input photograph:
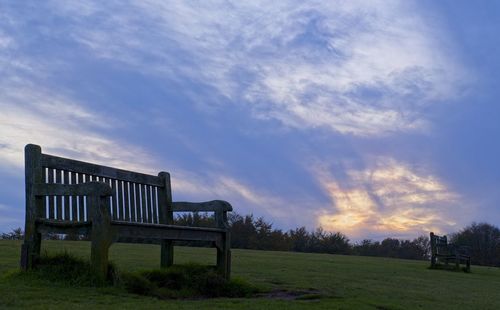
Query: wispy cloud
(34, 114)
(354, 67)
(389, 198)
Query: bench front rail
(108, 204)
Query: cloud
(388, 199)
(32, 114)
(364, 69)
(213, 185)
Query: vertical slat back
(51, 199)
(154, 204)
(81, 199)
(59, 200)
(138, 202)
(132, 202)
(44, 211)
(144, 206)
(120, 200)
(67, 213)
(136, 197)
(148, 202)
(73, 199)
(114, 201)
(126, 204)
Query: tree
(484, 242)
(299, 239)
(15, 234)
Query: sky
(373, 118)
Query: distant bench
(66, 196)
(442, 251)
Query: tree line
(248, 232)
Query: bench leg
(30, 251)
(99, 255)
(167, 253)
(101, 235)
(467, 268)
(433, 261)
(457, 262)
(224, 257)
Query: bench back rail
(136, 197)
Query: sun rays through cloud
(387, 199)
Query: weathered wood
(208, 206)
(66, 198)
(81, 200)
(155, 206)
(138, 202)
(52, 206)
(224, 256)
(149, 205)
(73, 198)
(43, 211)
(33, 174)
(114, 199)
(126, 192)
(144, 205)
(91, 188)
(58, 198)
(51, 161)
(121, 212)
(132, 203)
(160, 232)
(101, 234)
(165, 216)
(111, 205)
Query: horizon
(375, 120)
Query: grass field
(344, 282)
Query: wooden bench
(66, 196)
(442, 251)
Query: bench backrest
(137, 197)
(439, 244)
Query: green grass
(326, 282)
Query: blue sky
(374, 118)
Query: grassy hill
(343, 282)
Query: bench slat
(150, 207)
(138, 202)
(143, 204)
(51, 161)
(73, 199)
(126, 203)
(81, 200)
(155, 207)
(66, 198)
(58, 198)
(43, 212)
(114, 201)
(132, 202)
(50, 180)
(121, 213)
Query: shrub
(185, 281)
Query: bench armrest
(85, 189)
(220, 207)
(207, 206)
